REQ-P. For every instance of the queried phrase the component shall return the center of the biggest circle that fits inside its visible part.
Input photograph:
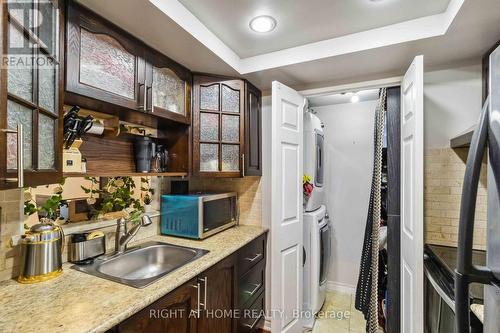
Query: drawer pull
(257, 256)
(256, 287)
(205, 287)
(252, 326)
(198, 296)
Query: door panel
(286, 211)
(412, 199)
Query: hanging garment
(367, 287)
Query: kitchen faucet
(122, 236)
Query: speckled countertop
(78, 302)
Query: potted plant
(115, 198)
(147, 193)
(48, 211)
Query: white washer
(317, 253)
(314, 159)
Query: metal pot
(41, 253)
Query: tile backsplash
(444, 173)
(12, 218)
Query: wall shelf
(131, 174)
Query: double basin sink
(142, 265)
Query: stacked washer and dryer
(317, 227)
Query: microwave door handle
(466, 272)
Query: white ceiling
(333, 99)
(302, 22)
(461, 39)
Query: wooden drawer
(251, 284)
(251, 254)
(252, 317)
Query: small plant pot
(148, 208)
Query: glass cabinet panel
(48, 25)
(19, 74)
(46, 145)
(230, 128)
(47, 84)
(18, 114)
(169, 91)
(230, 157)
(106, 65)
(230, 99)
(209, 97)
(209, 126)
(209, 157)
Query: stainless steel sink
(142, 265)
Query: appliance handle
(466, 272)
(440, 291)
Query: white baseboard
(340, 287)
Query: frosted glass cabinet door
(169, 91)
(230, 157)
(105, 64)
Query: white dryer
(317, 253)
(314, 159)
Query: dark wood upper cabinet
(226, 127)
(108, 69)
(168, 88)
(31, 95)
(253, 131)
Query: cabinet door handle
(243, 165)
(148, 107)
(141, 106)
(256, 287)
(257, 256)
(252, 325)
(205, 288)
(20, 155)
(198, 293)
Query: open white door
(286, 211)
(412, 200)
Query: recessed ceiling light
(263, 23)
(355, 98)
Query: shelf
(463, 140)
(131, 174)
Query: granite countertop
(78, 302)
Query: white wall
(349, 164)
(452, 103)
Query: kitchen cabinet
(109, 70)
(103, 62)
(168, 88)
(225, 128)
(253, 131)
(174, 313)
(218, 300)
(31, 93)
(219, 282)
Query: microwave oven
(198, 215)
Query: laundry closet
(341, 189)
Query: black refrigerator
(485, 142)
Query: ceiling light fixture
(355, 98)
(263, 23)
